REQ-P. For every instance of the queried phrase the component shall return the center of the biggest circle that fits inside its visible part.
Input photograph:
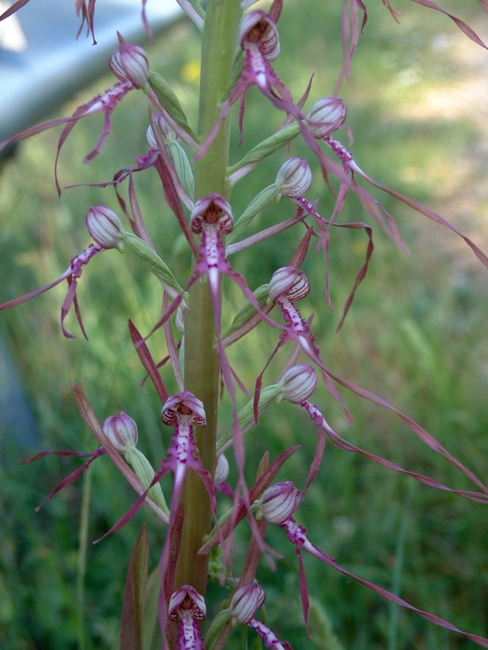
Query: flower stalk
(202, 369)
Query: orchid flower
(277, 504)
(244, 604)
(294, 179)
(260, 45)
(320, 125)
(130, 65)
(187, 607)
(105, 228)
(288, 285)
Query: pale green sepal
(215, 630)
(256, 205)
(268, 146)
(145, 473)
(247, 311)
(182, 167)
(170, 101)
(198, 8)
(152, 260)
(246, 414)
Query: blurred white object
(12, 37)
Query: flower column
(201, 360)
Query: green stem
(202, 369)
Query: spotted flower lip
(129, 63)
(259, 30)
(121, 430)
(184, 405)
(187, 598)
(246, 601)
(213, 210)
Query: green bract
(247, 311)
(256, 205)
(152, 260)
(170, 101)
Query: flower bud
(181, 406)
(288, 282)
(279, 502)
(245, 602)
(105, 227)
(165, 129)
(298, 384)
(326, 116)
(212, 209)
(294, 178)
(187, 598)
(258, 29)
(221, 470)
(129, 63)
(121, 430)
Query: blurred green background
(416, 335)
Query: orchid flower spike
(260, 44)
(187, 607)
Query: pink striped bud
(129, 63)
(294, 178)
(221, 470)
(212, 209)
(181, 406)
(165, 129)
(105, 227)
(298, 384)
(121, 430)
(288, 282)
(279, 502)
(258, 29)
(245, 602)
(326, 116)
(187, 599)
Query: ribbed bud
(186, 598)
(279, 502)
(129, 63)
(245, 602)
(105, 227)
(294, 178)
(212, 209)
(258, 29)
(121, 430)
(165, 129)
(183, 405)
(326, 116)
(298, 384)
(288, 282)
(221, 470)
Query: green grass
(416, 335)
